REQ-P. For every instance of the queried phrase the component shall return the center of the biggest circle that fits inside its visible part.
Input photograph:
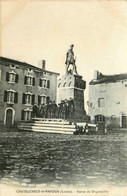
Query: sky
(32, 30)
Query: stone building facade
(108, 99)
(21, 86)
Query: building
(108, 99)
(21, 86)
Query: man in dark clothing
(66, 109)
(54, 109)
(45, 109)
(50, 109)
(42, 111)
(63, 109)
(35, 110)
(71, 108)
(39, 111)
(59, 111)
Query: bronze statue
(70, 60)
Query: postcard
(63, 97)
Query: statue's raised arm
(70, 60)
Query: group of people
(82, 129)
(65, 109)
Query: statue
(70, 60)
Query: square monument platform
(70, 85)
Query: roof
(109, 79)
(8, 61)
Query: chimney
(41, 64)
(96, 74)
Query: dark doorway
(124, 121)
(9, 116)
(100, 121)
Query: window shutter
(39, 99)
(33, 81)
(22, 115)
(33, 99)
(7, 76)
(5, 96)
(48, 84)
(98, 102)
(16, 97)
(25, 80)
(95, 119)
(48, 98)
(23, 98)
(16, 78)
(40, 82)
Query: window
(29, 70)
(44, 83)
(99, 119)
(101, 102)
(26, 114)
(13, 66)
(59, 85)
(28, 98)
(64, 84)
(70, 84)
(29, 80)
(43, 99)
(12, 77)
(103, 87)
(10, 96)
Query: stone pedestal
(70, 85)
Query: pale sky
(38, 29)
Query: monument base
(72, 86)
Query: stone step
(49, 119)
(49, 131)
(46, 128)
(47, 125)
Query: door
(9, 116)
(100, 121)
(124, 121)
